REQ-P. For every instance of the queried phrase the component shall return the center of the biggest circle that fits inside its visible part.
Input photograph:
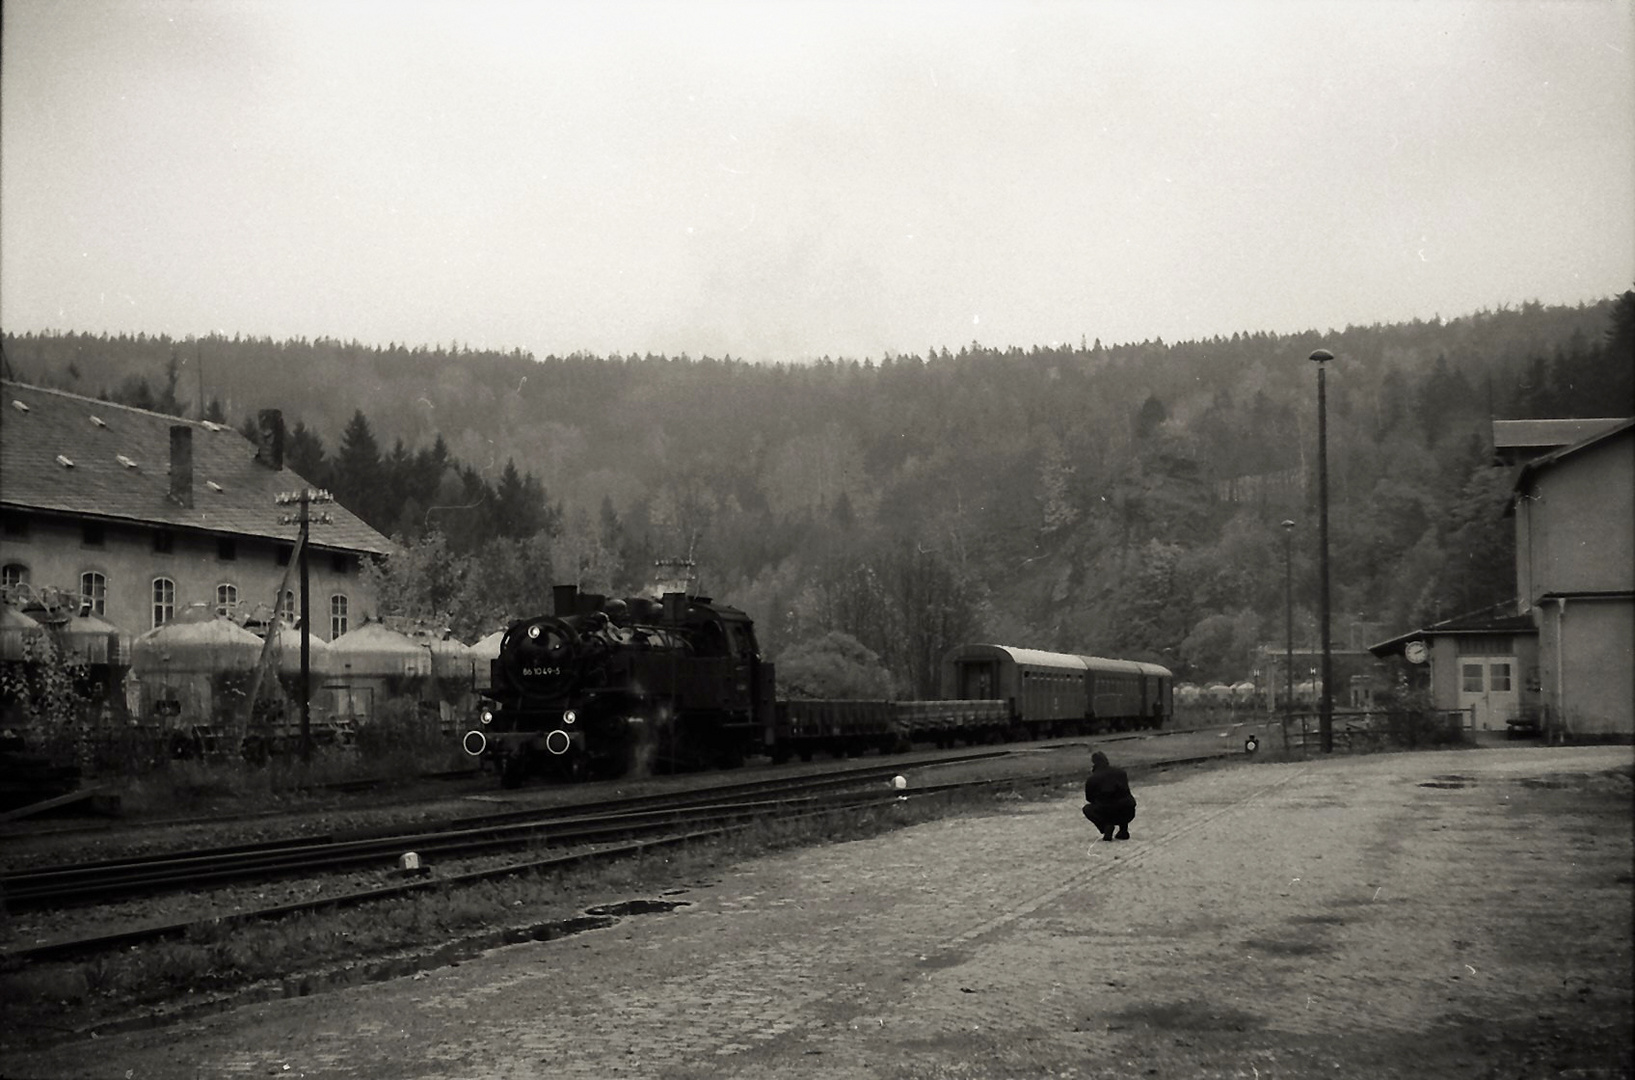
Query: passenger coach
(1061, 693)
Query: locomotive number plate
(538, 672)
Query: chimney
(181, 465)
(270, 445)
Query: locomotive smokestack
(565, 600)
(675, 607)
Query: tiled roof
(120, 470)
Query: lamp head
(1287, 524)
(1321, 355)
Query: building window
(163, 541)
(164, 600)
(339, 562)
(1499, 676)
(93, 593)
(92, 534)
(226, 548)
(13, 573)
(1472, 678)
(282, 555)
(226, 599)
(286, 607)
(337, 616)
(16, 526)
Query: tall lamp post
(1288, 622)
(1325, 716)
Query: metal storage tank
(21, 638)
(373, 664)
(483, 655)
(193, 671)
(454, 671)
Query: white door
(1488, 687)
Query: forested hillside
(1121, 500)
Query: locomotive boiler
(603, 687)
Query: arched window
(286, 607)
(337, 615)
(13, 573)
(164, 600)
(226, 598)
(93, 593)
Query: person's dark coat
(1107, 798)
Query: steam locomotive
(603, 687)
(606, 687)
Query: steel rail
(791, 811)
(533, 814)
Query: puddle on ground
(637, 907)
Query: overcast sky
(778, 181)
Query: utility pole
(303, 517)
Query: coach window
(164, 600)
(337, 615)
(93, 593)
(226, 598)
(12, 574)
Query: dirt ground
(1458, 913)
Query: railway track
(582, 834)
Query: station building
(1559, 657)
(131, 517)
(1575, 576)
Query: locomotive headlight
(569, 716)
(487, 716)
(533, 632)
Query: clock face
(1414, 652)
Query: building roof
(1547, 434)
(66, 454)
(1526, 474)
(1501, 619)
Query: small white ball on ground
(899, 782)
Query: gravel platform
(1396, 915)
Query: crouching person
(1107, 799)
